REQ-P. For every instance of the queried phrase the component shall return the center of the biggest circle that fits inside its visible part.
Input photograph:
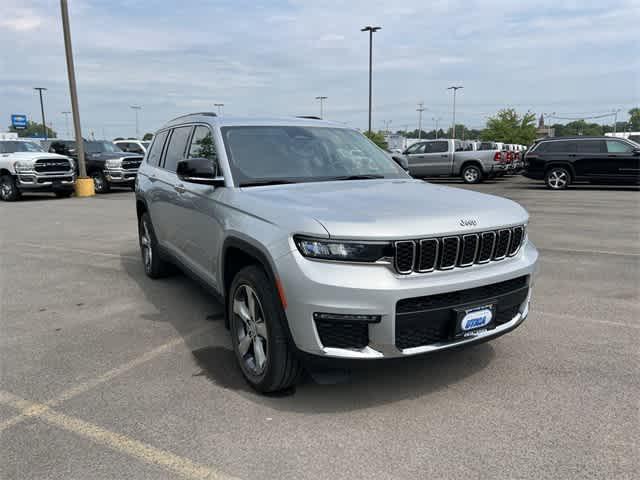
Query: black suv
(106, 163)
(562, 161)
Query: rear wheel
(8, 189)
(557, 178)
(100, 182)
(154, 265)
(471, 174)
(258, 332)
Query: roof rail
(207, 114)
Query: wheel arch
(474, 162)
(565, 165)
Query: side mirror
(402, 161)
(199, 170)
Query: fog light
(340, 317)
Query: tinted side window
(416, 148)
(618, 147)
(590, 146)
(202, 144)
(439, 147)
(176, 148)
(558, 147)
(155, 152)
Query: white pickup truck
(448, 158)
(25, 167)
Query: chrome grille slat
(445, 253)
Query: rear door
(591, 159)
(437, 158)
(621, 154)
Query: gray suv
(320, 246)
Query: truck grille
(46, 165)
(446, 253)
(131, 163)
(431, 319)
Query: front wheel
(154, 265)
(557, 178)
(8, 189)
(258, 332)
(471, 174)
(101, 184)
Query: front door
(437, 158)
(415, 158)
(623, 155)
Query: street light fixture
(219, 105)
(420, 109)
(371, 30)
(455, 89)
(44, 125)
(322, 99)
(136, 108)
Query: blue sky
(275, 57)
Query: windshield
(17, 146)
(101, 147)
(303, 154)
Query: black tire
(471, 174)
(557, 178)
(282, 369)
(63, 193)
(155, 266)
(9, 191)
(101, 184)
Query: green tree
(33, 130)
(377, 138)
(509, 127)
(147, 136)
(635, 119)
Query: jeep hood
(388, 209)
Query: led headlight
(114, 163)
(23, 166)
(345, 250)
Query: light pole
(371, 30)
(219, 105)
(615, 121)
(420, 109)
(66, 123)
(436, 120)
(322, 99)
(455, 89)
(136, 108)
(84, 186)
(44, 125)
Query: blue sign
(19, 122)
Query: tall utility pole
(615, 120)
(420, 109)
(66, 123)
(371, 31)
(322, 99)
(219, 105)
(436, 120)
(136, 108)
(44, 125)
(82, 169)
(455, 89)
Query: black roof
(575, 137)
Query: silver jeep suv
(319, 245)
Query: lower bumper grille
(343, 334)
(432, 319)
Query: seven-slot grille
(457, 251)
(46, 165)
(131, 163)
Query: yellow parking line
(115, 441)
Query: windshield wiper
(356, 177)
(259, 183)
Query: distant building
(543, 131)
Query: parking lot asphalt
(107, 374)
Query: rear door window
(558, 147)
(155, 152)
(176, 148)
(613, 146)
(590, 146)
(439, 147)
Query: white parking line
(78, 250)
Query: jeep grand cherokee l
(320, 245)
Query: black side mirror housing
(402, 161)
(199, 170)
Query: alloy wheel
(558, 178)
(251, 330)
(145, 245)
(471, 175)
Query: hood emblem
(468, 222)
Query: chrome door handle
(179, 189)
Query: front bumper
(120, 175)
(356, 289)
(51, 181)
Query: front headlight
(343, 250)
(115, 163)
(23, 166)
